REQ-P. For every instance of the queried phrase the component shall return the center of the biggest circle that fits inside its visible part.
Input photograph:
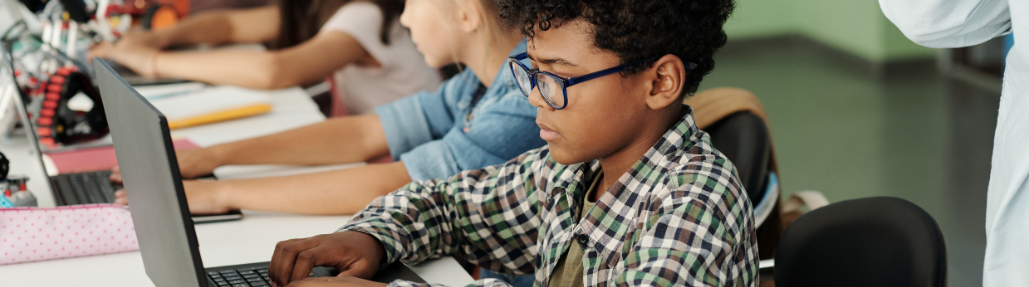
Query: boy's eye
(536, 68)
(559, 74)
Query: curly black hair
(635, 30)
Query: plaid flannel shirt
(678, 217)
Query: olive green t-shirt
(568, 273)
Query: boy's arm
(469, 215)
(487, 217)
(695, 239)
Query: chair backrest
(743, 138)
(878, 241)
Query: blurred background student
(359, 44)
(476, 119)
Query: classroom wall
(761, 18)
(855, 27)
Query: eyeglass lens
(549, 87)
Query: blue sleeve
(418, 119)
(502, 129)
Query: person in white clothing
(961, 23)
(359, 44)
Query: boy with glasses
(627, 191)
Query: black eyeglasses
(554, 88)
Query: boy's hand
(334, 282)
(351, 253)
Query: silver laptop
(164, 229)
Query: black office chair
(878, 241)
(743, 138)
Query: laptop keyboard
(84, 188)
(243, 277)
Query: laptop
(136, 79)
(167, 240)
(67, 189)
(71, 188)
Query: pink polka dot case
(34, 234)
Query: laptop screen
(13, 111)
(144, 149)
(10, 94)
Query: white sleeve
(363, 21)
(949, 23)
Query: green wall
(761, 18)
(856, 27)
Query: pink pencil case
(33, 234)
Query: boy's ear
(668, 77)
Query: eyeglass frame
(568, 82)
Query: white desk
(292, 108)
(245, 241)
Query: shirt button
(583, 239)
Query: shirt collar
(677, 137)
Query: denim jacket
(439, 134)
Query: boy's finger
(284, 258)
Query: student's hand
(119, 196)
(352, 253)
(193, 163)
(203, 197)
(199, 162)
(134, 54)
(334, 282)
(116, 174)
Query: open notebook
(210, 105)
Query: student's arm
(949, 23)
(472, 216)
(136, 48)
(345, 191)
(334, 141)
(506, 128)
(255, 25)
(305, 63)
(338, 140)
(308, 62)
(691, 240)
